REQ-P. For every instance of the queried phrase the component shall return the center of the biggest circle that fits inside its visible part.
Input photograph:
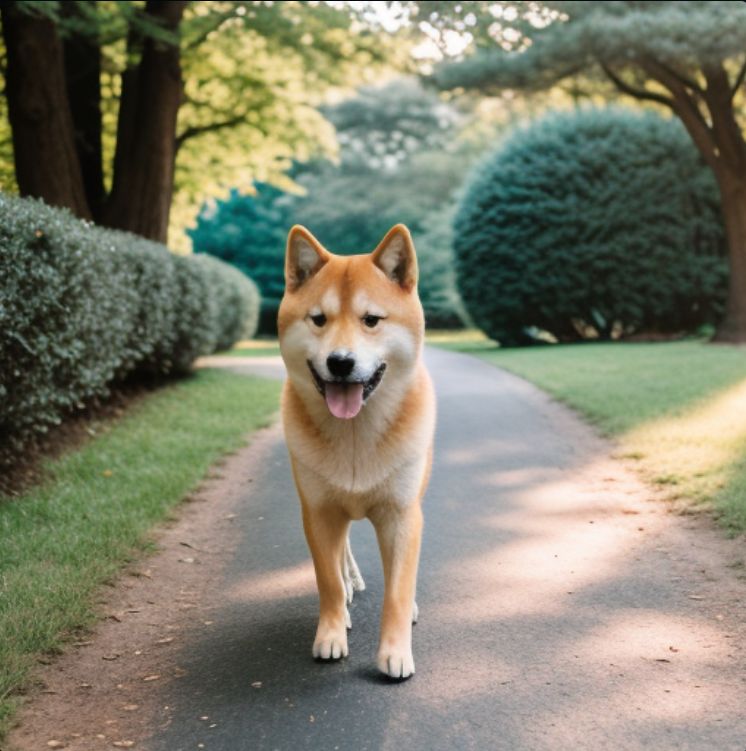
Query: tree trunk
(142, 187)
(733, 199)
(82, 55)
(46, 161)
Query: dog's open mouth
(345, 398)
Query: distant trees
(595, 223)
(249, 231)
(106, 99)
(689, 57)
(400, 160)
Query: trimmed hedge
(82, 307)
(595, 223)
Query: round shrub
(596, 223)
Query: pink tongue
(344, 400)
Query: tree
(685, 56)
(400, 160)
(117, 93)
(593, 223)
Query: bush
(437, 283)
(597, 223)
(82, 307)
(249, 232)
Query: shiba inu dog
(358, 410)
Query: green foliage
(533, 45)
(81, 307)
(437, 285)
(249, 233)
(594, 223)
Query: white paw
(415, 613)
(396, 663)
(330, 648)
(330, 642)
(348, 620)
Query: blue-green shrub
(82, 307)
(591, 223)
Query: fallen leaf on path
(662, 659)
(696, 597)
(167, 640)
(153, 677)
(673, 649)
(56, 744)
(186, 560)
(256, 684)
(110, 657)
(130, 707)
(82, 643)
(123, 744)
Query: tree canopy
(227, 91)
(689, 57)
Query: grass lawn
(60, 541)
(677, 408)
(254, 348)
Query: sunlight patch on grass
(678, 409)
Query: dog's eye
(319, 319)
(371, 321)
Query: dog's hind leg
(351, 573)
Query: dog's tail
(351, 573)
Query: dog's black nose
(340, 364)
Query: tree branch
(739, 80)
(198, 130)
(687, 108)
(635, 92)
(684, 80)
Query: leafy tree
(248, 231)
(594, 223)
(111, 103)
(401, 160)
(685, 56)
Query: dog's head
(351, 327)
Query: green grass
(254, 348)
(62, 540)
(678, 409)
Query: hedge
(82, 307)
(595, 223)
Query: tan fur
(375, 465)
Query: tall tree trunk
(82, 55)
(733, 200)
(46, 160)
(142, 188)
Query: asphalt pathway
(561, 606)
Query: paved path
(561, 606)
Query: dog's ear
(303, 258)
(395, 256)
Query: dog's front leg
(326, 532)
(399, 531)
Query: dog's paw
(330, 645)
(396, 663)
